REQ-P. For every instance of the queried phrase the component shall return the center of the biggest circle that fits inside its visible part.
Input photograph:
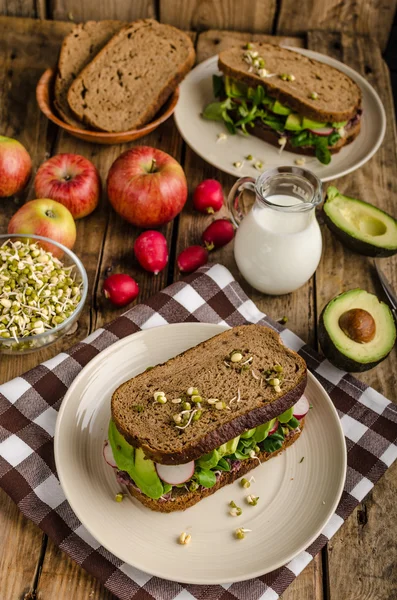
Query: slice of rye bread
(185, 499)
(130, 79)
(339, 97)
(272, 137)
(77, 50)
(203, 366)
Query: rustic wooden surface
(368, 17)
(242, 15)
(284, 17)
(81, 10)
(359, 563)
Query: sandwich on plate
(182, 430)
(287, 99)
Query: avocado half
(343, 351)
(360, 226)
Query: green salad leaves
(240, 106)
(242, 448)
(143, 472)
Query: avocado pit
(358, 324)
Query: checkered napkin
(28, 410)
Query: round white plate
(296, 498)
(201, 135)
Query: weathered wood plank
(18, 8)
(363, 17)
(368, 568)
(214, 41)
(297, 306)
(20, 543)
(243, 15)
(26, 49)
(75, 10)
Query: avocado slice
(281, 109)
(356, 331)
(362, 227)
(309, 124)
(293, 122)
(234, 88)
(133, 461)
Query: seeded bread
(339, 97)
(77, 50)
(272, 137)
(129, 80)
(152, 428)
(185, 499)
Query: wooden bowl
(44, 95)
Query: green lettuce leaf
(209, 461)
(213, 111)
(205, 478)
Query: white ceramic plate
(296, 498)
(201, 135)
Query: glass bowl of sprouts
(43, 288)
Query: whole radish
(120, 289)
(151, 251)
(192, 258)
(218, 234)
(208, 196)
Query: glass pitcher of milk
(278, 243)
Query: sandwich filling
(133, 468)
(242, 108)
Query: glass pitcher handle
(244, 183)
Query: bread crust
(154, 107)
(63, 79)
(187, 499)
(289, 92)
(272, 137)
(225, 431)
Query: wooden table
(360, 562)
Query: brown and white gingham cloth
(28, 410)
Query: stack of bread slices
(115, 77)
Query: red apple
(47, 218)
(71, 180)
(147, 187)
(15, 167)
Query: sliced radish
(175, 474)
(301, 408)
(274, 428)
(323, 131)
(108, 455)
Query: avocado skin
(337, 358)
(356, 245)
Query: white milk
(278, 251)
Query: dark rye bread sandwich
(184, 429)
(287, 99)
(78, 48)
(129, 80)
